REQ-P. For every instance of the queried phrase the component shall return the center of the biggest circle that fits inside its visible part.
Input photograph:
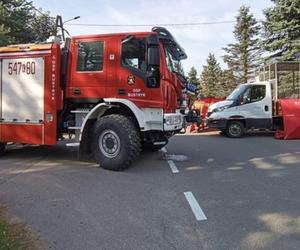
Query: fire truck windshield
(173, 63)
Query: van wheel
(235, 129)
(116, 142)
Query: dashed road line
(198, 212)
(210, 160)
(173, 167)
(164, 150)
(171, 163)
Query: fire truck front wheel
(116, 142)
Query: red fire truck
(115, 93)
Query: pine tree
(210, 79)
(228, 82)
(281, 29)
(193, 76)
(242, 57)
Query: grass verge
(14, 235)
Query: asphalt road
(248, 190)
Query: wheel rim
(109, 143)
(235, 129)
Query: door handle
(266, 108)
(76, 91)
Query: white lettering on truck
(137, 93)
(53, 78)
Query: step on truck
(255, 105)
(115, 94)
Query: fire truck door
(88, 72)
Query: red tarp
(202, 105)
(291, 119)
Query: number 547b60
(21, 67)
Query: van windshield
(237, 92)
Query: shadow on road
(249, 186)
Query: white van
(253, 105)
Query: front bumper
(173, 121)
(216, 123)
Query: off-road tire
(235, 129)
(126, 135)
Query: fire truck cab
(116, 93)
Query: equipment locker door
(22, 100)
(22, 90)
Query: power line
(44, 14)
(39, 11)
(153, 24)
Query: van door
(256, 106)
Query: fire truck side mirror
(153, 62)
(153, 56)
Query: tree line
(22, 22)
(278, 36)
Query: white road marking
(173, 167)
(198, 212)
(173, 157)
(164, 150)
(210, 160)
(170, 162)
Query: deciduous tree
(21, 22)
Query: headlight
(219, 109)
(173, 120)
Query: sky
(198, 41)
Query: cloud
(198, 41)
